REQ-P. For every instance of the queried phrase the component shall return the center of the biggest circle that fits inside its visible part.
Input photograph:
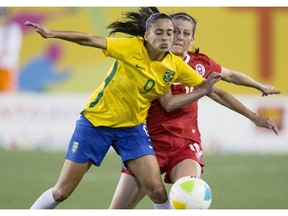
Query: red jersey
(182, 122)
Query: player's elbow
(169, 108)
(229, 78)
(168, 105)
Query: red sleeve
(203, 64)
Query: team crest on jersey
(200, 69)
(75, 147)
(168, 76)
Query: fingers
(277, 92)
(27, 23)
(269, 89)
(268, 123)
(264, 94)
(34, 25)
(30, 24)
(275, 129)
(38, 28)
(216, 75)
(273, 126)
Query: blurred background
(45, 85)
(50, 80)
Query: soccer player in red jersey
(143, 70)
(175, 134)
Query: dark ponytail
(136, 23)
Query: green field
(237, 181)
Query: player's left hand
(267, 122)
(268, 90)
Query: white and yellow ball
(190, 192)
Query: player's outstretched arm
(171, 102)
(239, 78)
(80, 38)
(232, 103)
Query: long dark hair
(136, 23)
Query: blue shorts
(90, 143)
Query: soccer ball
(190, 192)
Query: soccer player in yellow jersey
(115, 114)
(175, 135)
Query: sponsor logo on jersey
(168, 76)
(196, 148)
(139, 67)
(75, 147)
(200, 69)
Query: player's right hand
(45, 33)
(212, 79)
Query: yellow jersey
(133, 82)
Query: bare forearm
(240, 78)
(72, 36)
(232, 103)
(244, 80)
(171, 102)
